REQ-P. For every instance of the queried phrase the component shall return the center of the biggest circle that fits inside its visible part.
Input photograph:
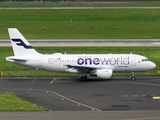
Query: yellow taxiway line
(52, 80)
(156, 97)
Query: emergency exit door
(133, 61)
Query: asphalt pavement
(120, 97)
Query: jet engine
(105, 73)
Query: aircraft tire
(133, 78)
(83, 78)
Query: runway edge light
(158, 71)
(1, 73)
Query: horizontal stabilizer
(14, 58)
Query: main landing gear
(133, 77)
(83, 78)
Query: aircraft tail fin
(19, 44)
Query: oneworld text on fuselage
(104, 61)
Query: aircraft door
(39, 62)
(133, 61)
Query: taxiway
(69, 94)
(68, 98)
(130, 100)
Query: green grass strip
(82, 24)
(9, 102)
(81, 4)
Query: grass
(82, 24)
(81, 4)
(9, 102)
(34, 73)
(153, 53)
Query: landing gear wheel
(133, 78)
(83, 78)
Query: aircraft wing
(86, 69)
(81, 67)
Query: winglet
(19, 44)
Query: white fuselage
(67, 62)
(100, 65)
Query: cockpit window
(145, 60)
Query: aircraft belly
(29, 63)
(55, 67)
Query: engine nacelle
(104, 73)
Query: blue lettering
(121, 60)
(112, 61)
(118, 60)
(96, 61)
(90, 61)
(103, 61)
(126, 61)
(80, 61)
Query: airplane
(100, 65)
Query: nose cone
(152, 65)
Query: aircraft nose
(153, 65)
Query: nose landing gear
(83, 78)
(133, 77)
